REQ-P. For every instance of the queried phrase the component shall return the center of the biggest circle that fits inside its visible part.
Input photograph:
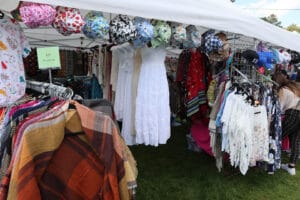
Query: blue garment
(220, 113)
(96, 90)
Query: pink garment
(25, 105)
(35, 14)
(200, 134)
(285, 144)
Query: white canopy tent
(216, 14)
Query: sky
(281, 8)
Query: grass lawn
(171, 172)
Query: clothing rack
(51, 89)
(243, 75)
(266, 78)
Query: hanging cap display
(121, 29)
(68, 20)
(35, 14)
(96, 26)
(145, 31)
(178, 34)
(162, 33)
(212, 43)
(266, 59)
(251, 56)
(193, 37)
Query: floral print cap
(68, 20)
(35, 14)
(96, 26)
(121, 29)
(162, 33)
(145, 31)
(193, 37)
(178, 34)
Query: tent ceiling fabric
(216, 14)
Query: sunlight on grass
(171, 172)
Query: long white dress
(152, 118)
(123, 101)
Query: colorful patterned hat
(145, 31)
(162, 33)
(121, 29)
(35, 14)
(96, 26)
(193, 37)
(178, 34)
(68, 20)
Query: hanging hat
(295, 57)
(145, 31)
(162, 33)
(68, 20)
(35, 14)
(193, 37)
(178, 34)
(212, 43)
(266, 59)
(251, 56)
(121, 29)
(96, 26)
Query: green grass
(172, 172)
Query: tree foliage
(293, 27)
(272, 19)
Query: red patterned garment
(196, 83)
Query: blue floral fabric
(145, 31)
(96, 26)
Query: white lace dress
(152, 119)
(123, 101)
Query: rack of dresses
(245, 123)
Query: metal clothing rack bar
(243, 75)
(51, 89)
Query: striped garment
(92, 165)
